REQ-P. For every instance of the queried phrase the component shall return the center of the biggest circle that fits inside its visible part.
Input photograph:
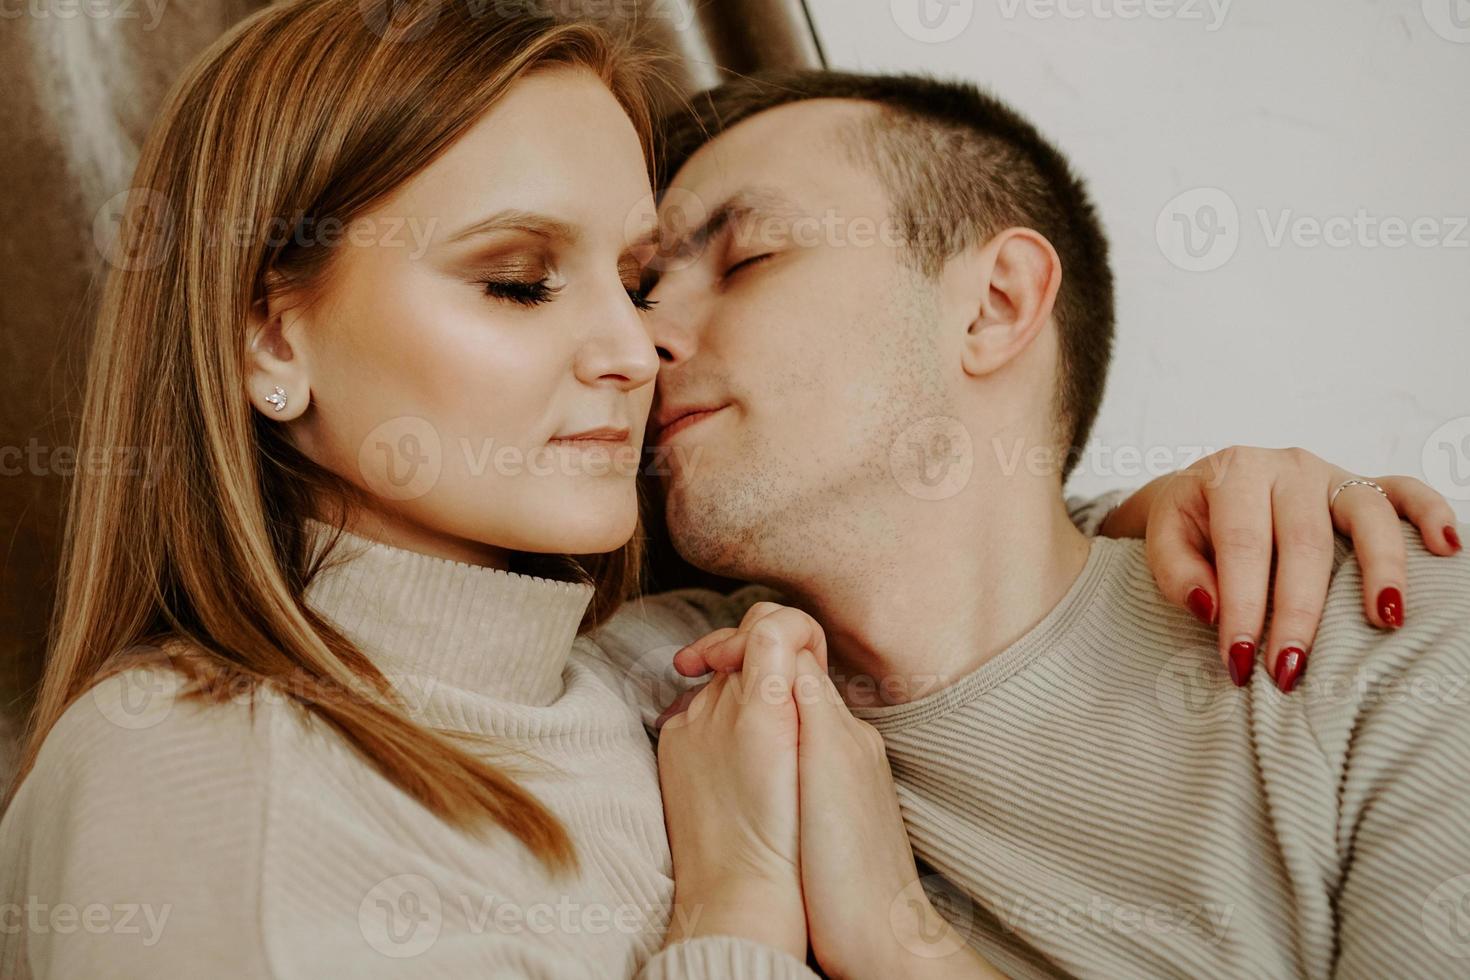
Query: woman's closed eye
(524, 292)
(519, 277)
(541, 291)
(530, 281)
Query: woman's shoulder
(142, 796)
(147, 720)
(152, 749)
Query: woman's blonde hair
(309, 109)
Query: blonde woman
(311, 706)
(377, 230)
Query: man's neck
(937, 588)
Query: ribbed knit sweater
(1099, 800)
(160, 838)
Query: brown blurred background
(80, 92)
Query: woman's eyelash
(536, 293)
(520, 291)
(640, 298)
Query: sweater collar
(429, 620)
(1070, 615)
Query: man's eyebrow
(745, 203)
(514, 219)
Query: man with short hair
(876, 427)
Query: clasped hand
(782, 816)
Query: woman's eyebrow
(513, 219)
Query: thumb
(768, 653)
(1176, 552)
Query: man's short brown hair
(959, 166)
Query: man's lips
(682, 422)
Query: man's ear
(1018, 273)
(277, 376)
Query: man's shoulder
(1436, 597)
(633, 651)
(709, 607)
(1362, 679)
(1389, 711)
(1436, 591)
(678, 617)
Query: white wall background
(1301, 111)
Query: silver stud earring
(277, 398)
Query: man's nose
(673, 325)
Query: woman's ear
(277, 380)
(1019, 275)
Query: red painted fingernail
(1452, 536)
(1242, 661)
(1391, 607)
(1200, 603)
(1289, 664)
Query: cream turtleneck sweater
(159, 838)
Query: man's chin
(703, 536)
(683, 496)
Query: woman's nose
(621, 352)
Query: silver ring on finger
(1354, 483)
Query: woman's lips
(594, 437)
(683, 422)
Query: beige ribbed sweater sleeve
(135, 847)
(1392, 718)
(151, 844)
